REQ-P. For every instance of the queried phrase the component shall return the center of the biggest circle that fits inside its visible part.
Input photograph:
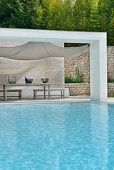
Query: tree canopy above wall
(79, 15)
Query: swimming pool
(57, 136)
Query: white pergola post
(98, 70)
(98, 51)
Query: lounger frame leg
(61, 94)
(49, 92)
(44, 92)
(34, 94)
(4, 93)
(20, 96)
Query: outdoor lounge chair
(19, 91)
(61, 90)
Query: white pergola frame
(98, 51)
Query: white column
(98, 70)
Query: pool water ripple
(57, 136)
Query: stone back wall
(110, 62)
(82, 89)
(83, 63)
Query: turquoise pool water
(57, 136)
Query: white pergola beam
(98, 51)
(48, 35)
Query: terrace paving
(68, 99)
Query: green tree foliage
(106, 13)
(111, 30)
(77, 15)
(94, 16)
(80, 15)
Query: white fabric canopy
(11, 43)
(39, 50)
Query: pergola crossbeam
(98, 51)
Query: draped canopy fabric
(39, 50)
(36, 59)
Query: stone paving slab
(68, 99)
